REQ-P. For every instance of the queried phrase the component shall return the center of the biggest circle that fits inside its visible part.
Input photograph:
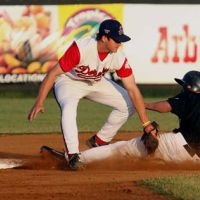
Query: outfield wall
(165, 38)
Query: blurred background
(34, 34)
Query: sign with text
(166, 41)
(165, 38)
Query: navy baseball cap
(113, 29)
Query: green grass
(91, 116)
(178, 187)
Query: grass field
(91, 116)
(178, 187)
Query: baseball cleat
(57, 154)
(92, 142)
(74, 162)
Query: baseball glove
(150, 141)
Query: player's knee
(124, 115)
(128, 108)
(126, 112)
(69, 109)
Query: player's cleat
(92, 142)
(74, 162)
(57, 154)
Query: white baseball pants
(68, 92)
(170, 149)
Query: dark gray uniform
(186, 106)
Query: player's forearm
(45, 87)
(136, 97)
(161, 106)
(138, 102)
(47, 84)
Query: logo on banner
(176, 48)
(84, 22)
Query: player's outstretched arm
(138, 102)
(45, 87)
(160, 106)
(136, 97)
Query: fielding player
(80, 74)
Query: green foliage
(178, 187)
(159, 91)
(23, 90)
(91, 116)
(27, 90)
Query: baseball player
(79, 74)
(183, 144)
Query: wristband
(146, 124)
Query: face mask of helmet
(193, 88)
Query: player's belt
(191, 151)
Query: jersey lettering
(86, 73)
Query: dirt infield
(48, 179)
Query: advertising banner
(32, 38)
(165, 38)
(165, 41)
(78, 21)
(26, 36)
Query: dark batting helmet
(190, 81)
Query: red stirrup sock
(99, 141)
